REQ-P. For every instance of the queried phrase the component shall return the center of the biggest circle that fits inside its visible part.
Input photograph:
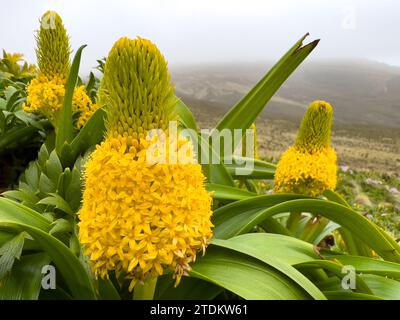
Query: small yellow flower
(46, 96)
(310, 166)
(86, 113)
(83, 105)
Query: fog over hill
(362, 92)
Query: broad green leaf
(5, 236)
(337, 269)
(43, 155)
(107, 290)
(236, 222)
(46, 185)
(32, 175)
(349, 295)
(186, 117)
(354, 246)
(72, 270)
(255, 203)
(272, 225)
(73, 194)
(58, 202)
(223, 192)
(21, 195)
(16, 287)
(189, 289)
(91, 82)
(248, 168)
(16, 134)
(11, 211)
(382, 287)
(53, 167)
(12, 95)
(91, 134)
(369, 265)
(255, 246)
(287, 249)
(245, 276)
(65, 125)
(61, 226)
(9, 252)
(212, 166)
(244, 113)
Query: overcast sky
(199, 31)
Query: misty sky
(204, 31)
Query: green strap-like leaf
(382, 286)
(245, 276)
(223, 192)
(64, 123)
(248, 168)
(186, 117)
(243, 114)
(189, 289)
(239, 222)
(72, 270)
(337, 269)
(9, 252)
(255, 203)
(349, 295)
(24, 282)
(58, 202)
(90, 135)
(253, 245)
(11, 211)
(369, 265)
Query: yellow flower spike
(46, 92)
(141, 218)
(310, 166)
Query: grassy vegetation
(374, 194)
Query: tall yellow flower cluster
(46, 92)
(141, 218)
(310, 166)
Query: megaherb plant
(116, 227)
(20, 134)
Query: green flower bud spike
(315, 129)
(136, 89)
(53, 49)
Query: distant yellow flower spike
(46, 92)
(139, 217)
(310, 166)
